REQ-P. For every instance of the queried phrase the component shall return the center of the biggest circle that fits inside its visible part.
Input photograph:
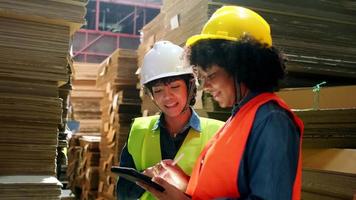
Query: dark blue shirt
(269, 164)
(169, 148)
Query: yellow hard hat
(233, 22)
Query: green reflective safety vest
(144, 144)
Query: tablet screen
(135, 176)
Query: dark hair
(258, 66)
(187, 78)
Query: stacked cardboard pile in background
(120, 104)
(34, 43)
(318, 38)
(86, 97)
(85, 101)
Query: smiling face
(171, 98)
(219, 84)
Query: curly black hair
(258, 66)
(187, 78)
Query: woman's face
(219, 84)
(171, 98)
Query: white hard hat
(165, 59)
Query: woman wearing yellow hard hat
(257, 154)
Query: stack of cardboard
(68, 13)
(329, 128)
(29, 187)
(329, 173)
(74, 154)
(184, 18)
(83, 161)
(329, 153)
(324, 98)
(88, 166)
(309, 37)
(85, 101)
(151, 32)
(86, 97)
(34, 43)
(121, 103)
(63, 130)
(28, 130)
(329, 141)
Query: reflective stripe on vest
(215, 174)
(145, 149)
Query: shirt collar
(194, 122)
(246, 99)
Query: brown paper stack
(29, 187)
(329, 173)
(86, 97)
(329, 128)
(319, 41)
(34, 68)
(89, 165)
(68, 13)
(83, 161)
(74, 154)
(121, 103)
(329, 153)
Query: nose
(206, 85)
(167, 92)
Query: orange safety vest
(216, 172)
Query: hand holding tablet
(135, 176)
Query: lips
(171, 105)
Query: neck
(241, 92)
(176, 124)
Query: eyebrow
(164, 83)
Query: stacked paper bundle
(121, 103)
(34, 43)
(319, 41)
(86, 97)
(29, 187)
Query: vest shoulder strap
(209, 127)
(139, 129)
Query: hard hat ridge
(232, 23)
(165, 59)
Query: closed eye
(212, 76)
(156, 90)
(175, 84)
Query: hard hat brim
(166, 75)
(195, 38)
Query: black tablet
(135, 176)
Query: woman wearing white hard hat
(177, 132)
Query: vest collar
(194, 122)
(247, 98)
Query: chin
(171, 113)
(222, 104)
(225, 104)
